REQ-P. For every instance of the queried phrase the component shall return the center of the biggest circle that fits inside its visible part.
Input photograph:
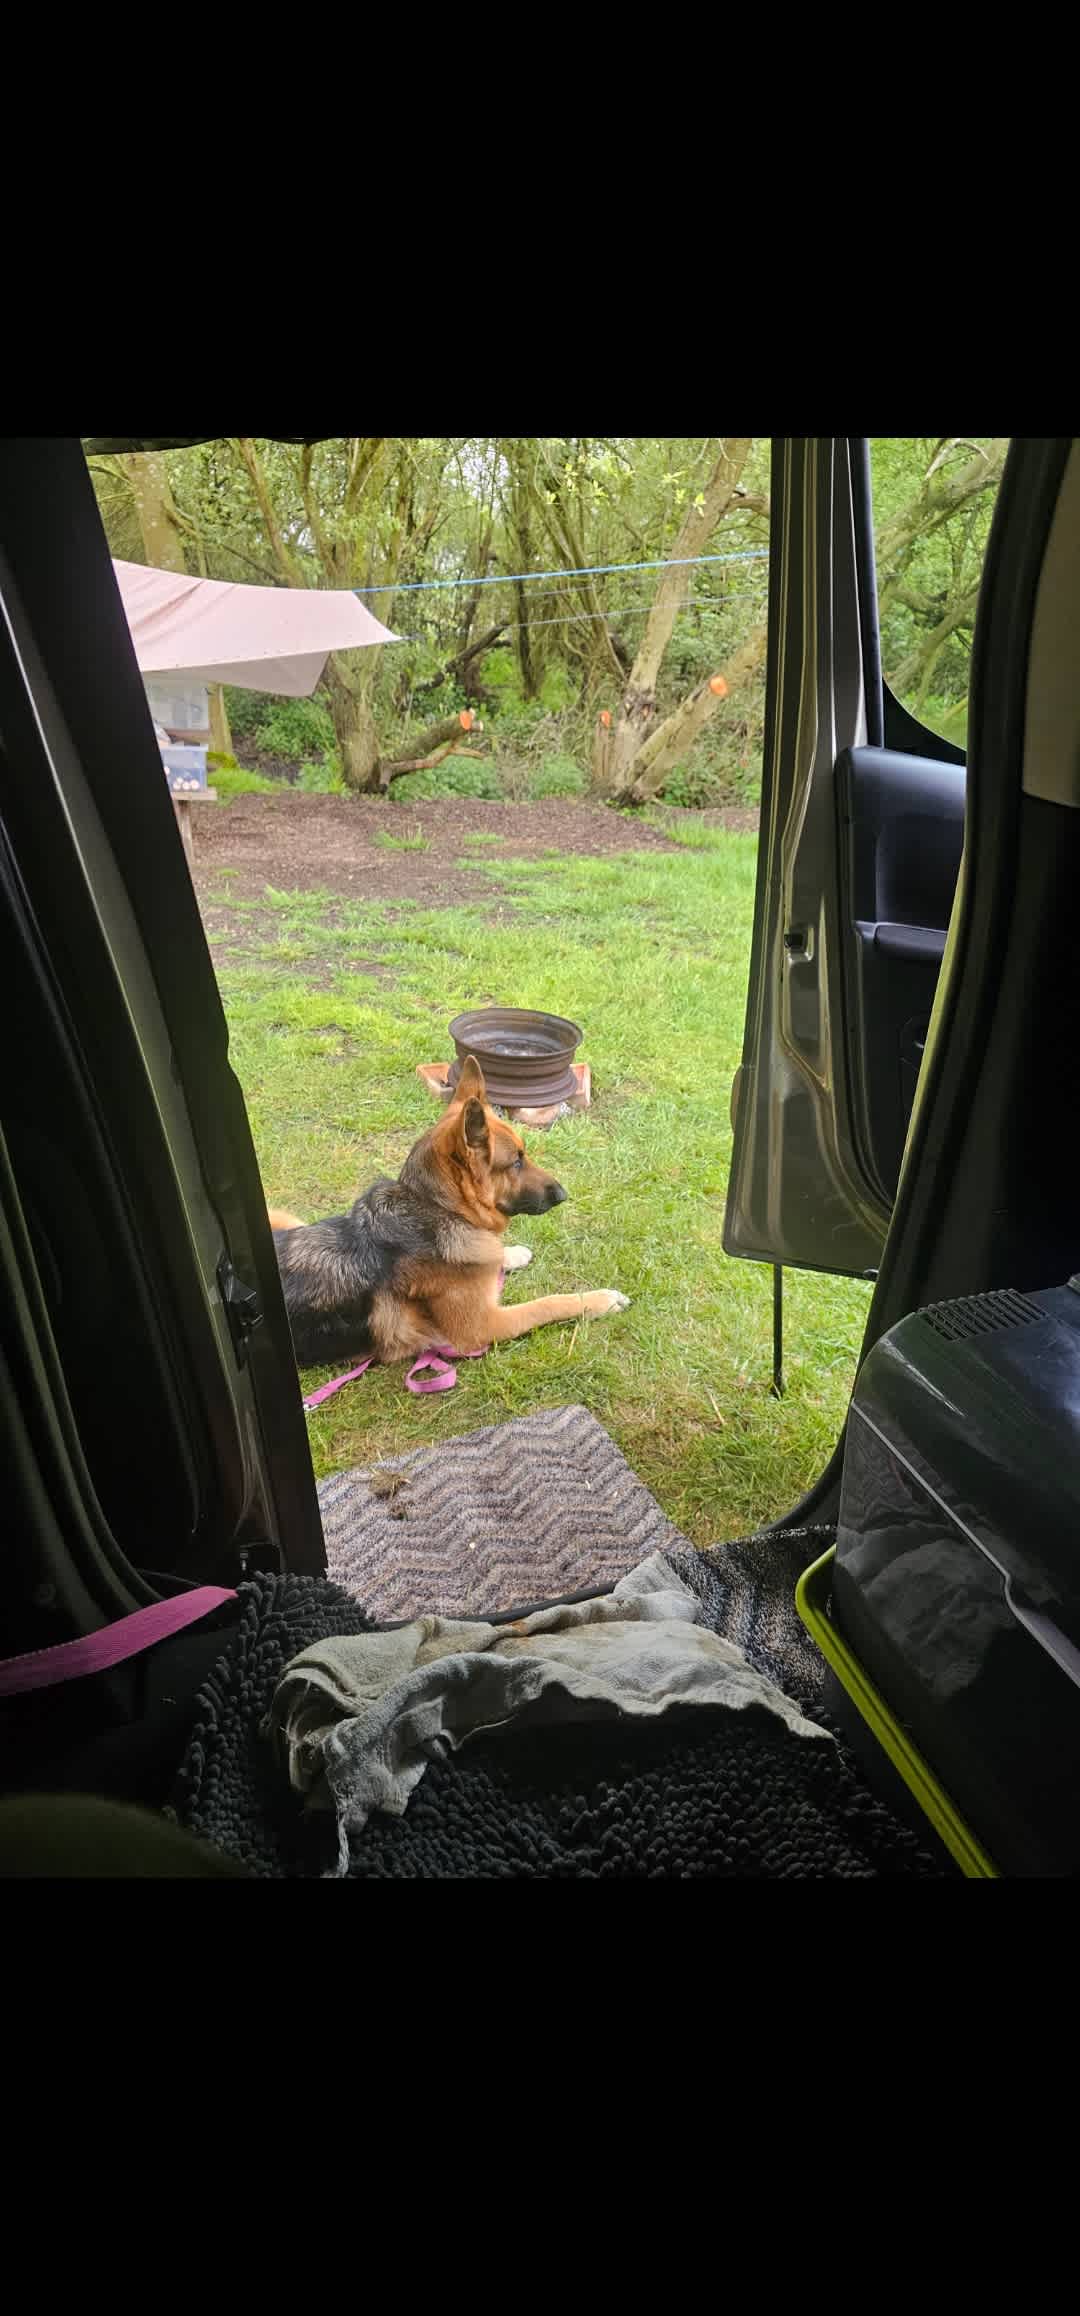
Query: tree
(633, 755)
(162, 531)
(356, 512)
(336, 544)
(673, 655)
(518, 501)
(930, 549)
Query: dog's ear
(474, 1127)
(470, 1085)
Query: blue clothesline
(585, 571)
(619, 611)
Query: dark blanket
(697, 1795)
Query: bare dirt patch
(302, 843)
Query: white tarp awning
(263, 639)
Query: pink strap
(97, 1651)
(327, 1390)
(442, 1377)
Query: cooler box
(951, 1610)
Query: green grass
(417, 842)
(233, 780)
(692, 835)
(650, 953)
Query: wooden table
(182, 808)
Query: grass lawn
(331, 1005)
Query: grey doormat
(517, 1513)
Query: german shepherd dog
(416, 1263)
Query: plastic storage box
(185, 770)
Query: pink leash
(442, 1378)
(96, 1652)
(443, 1374)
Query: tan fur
(279, 1220)
(465, 1164)
(520, 1318)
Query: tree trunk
(601, 755)
(220, 735)
(526, 670)
(354, 731)
(401, 765)
(517, 513)
(439, 738)
(158, 527)
(638, 705)
(657, 758)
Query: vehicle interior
(903, 1114)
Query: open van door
(151, 1430)
(862, 818)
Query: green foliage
(447, 699)
(299, 730)
(558, 690)
(501, 675)
(499, 672)
(246, 710)
(556, 776)
(518, 722)
(324, 778)
(949, 717)
(694, 786)
(925, 576)
(232, 779)
(442, 509)
(456, 776)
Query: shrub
(694, 786)
(556, 776)
(324, 778)
(299, 730)
(454, 777)
(499, 672)
(230, 779)
(558, 689)
(245, 710)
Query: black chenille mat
(695, 1795)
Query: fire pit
(527, 1058)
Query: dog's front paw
(516, 1257)
(605, 1299)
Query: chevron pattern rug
(516, 1514)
